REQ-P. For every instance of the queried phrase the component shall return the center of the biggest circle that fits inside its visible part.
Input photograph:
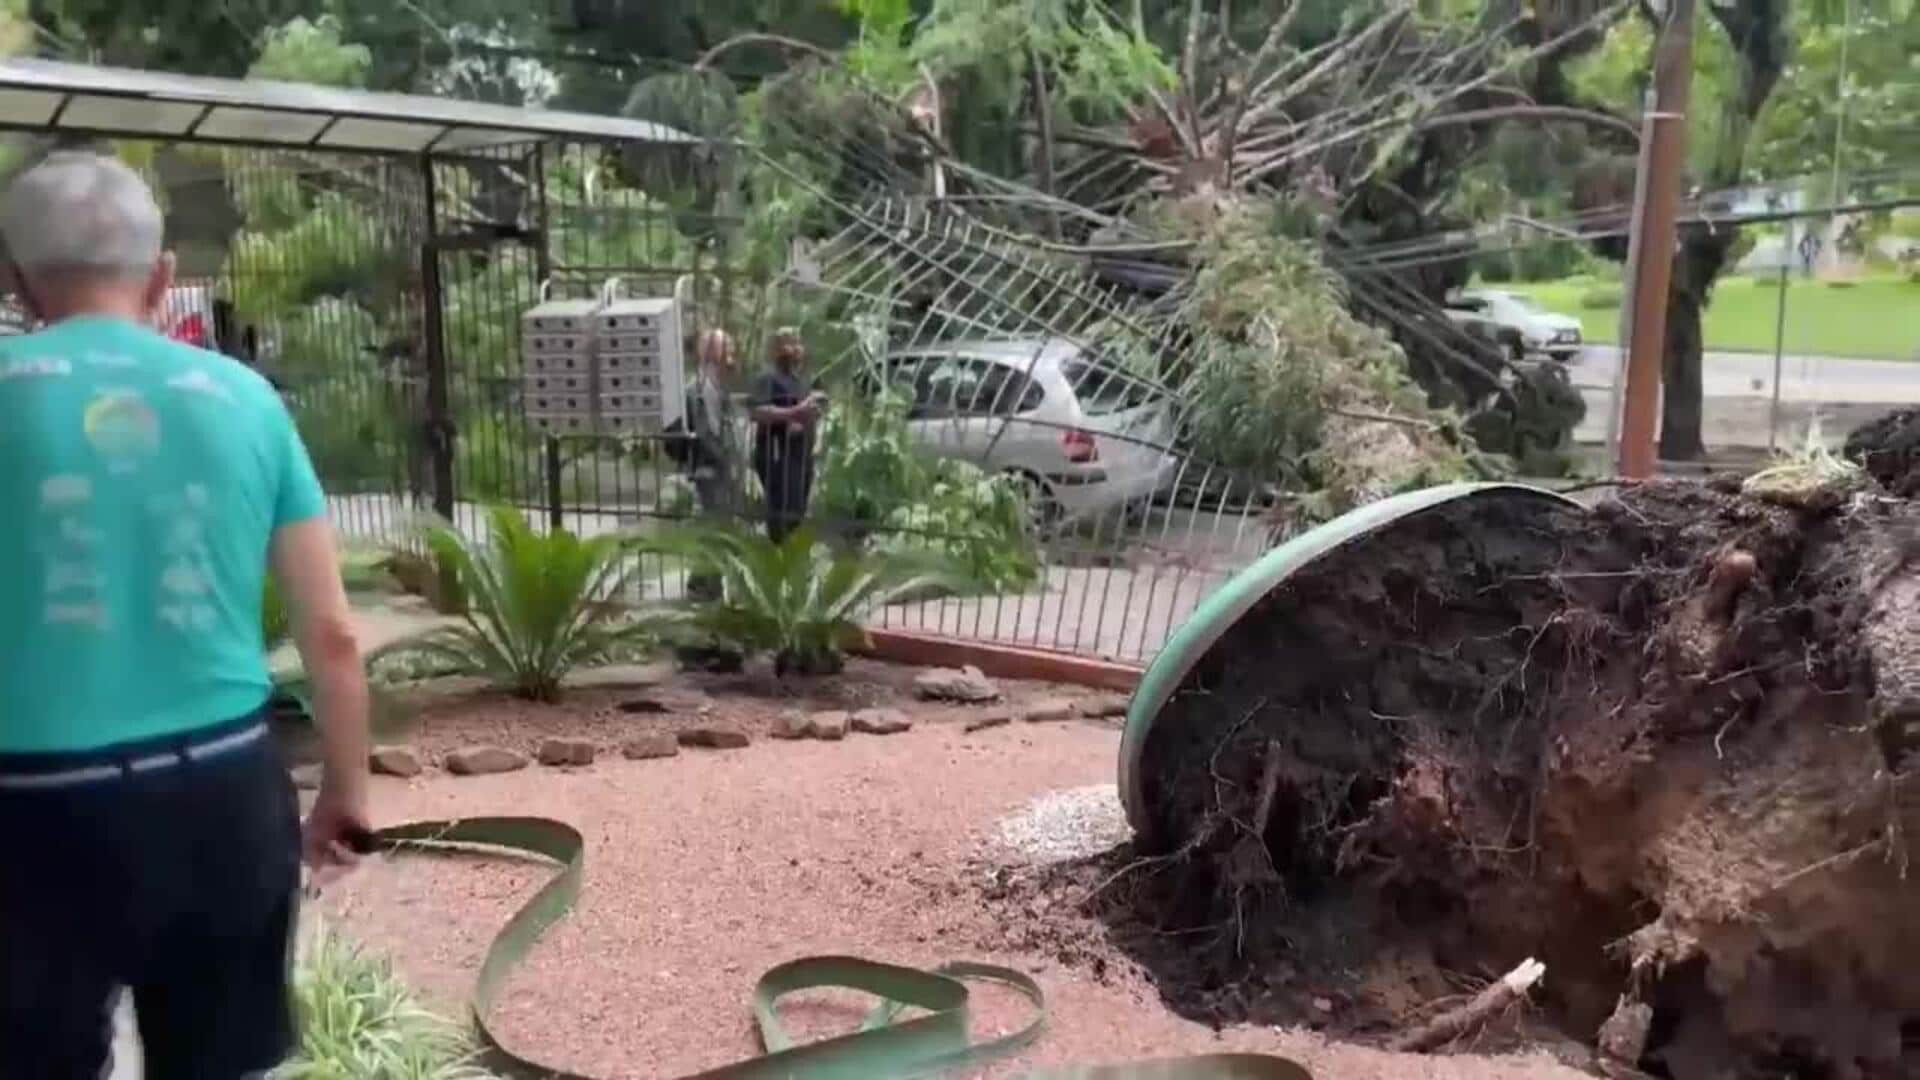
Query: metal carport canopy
(55, 97)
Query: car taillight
(192, 330)
(1079, 446)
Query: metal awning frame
(57, 98)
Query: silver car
(1085, 437)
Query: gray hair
(79, 210)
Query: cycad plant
(535, 604)
(800, 599)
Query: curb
(999, 660)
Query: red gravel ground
(705, 869)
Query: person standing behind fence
(712, 457)
(152, 836)
(785, 411)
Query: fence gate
(372, 252)
(483, 260)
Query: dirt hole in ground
(1664, 745)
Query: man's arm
(765, 413)
(307, 567)
(780, 414)
(306, 564)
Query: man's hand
(336, 832)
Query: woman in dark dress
(786, 409)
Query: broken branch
(1474, 1015)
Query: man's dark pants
(178, 881)
(788, 482)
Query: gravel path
(705, 869)
(1062, 825)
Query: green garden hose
(886, 1047)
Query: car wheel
(1043, 510)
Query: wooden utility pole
(1656, 202)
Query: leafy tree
(1742, 48)
(312, 51)
(202, 39)
(1879, 41)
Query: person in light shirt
(153, 839)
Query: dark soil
(1660, 745)
(1889, 449)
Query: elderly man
(151, 835)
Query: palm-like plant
(535, 608)
(799, 599)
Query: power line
(1588, 236)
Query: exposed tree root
(1662, 746)
(1507, 991)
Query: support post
(1779, 356)
(537, 218)
(437, 428)
(556, 509)
(1655, 209)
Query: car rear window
(1102, 390)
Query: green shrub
(800, 599)
(358, 1021)
(976, 521)
(873, 479)
(1605, 298)
(533, 604)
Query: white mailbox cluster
(611, 366)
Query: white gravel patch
(1071, 824)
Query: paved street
(1803, 378)
(1739, 388)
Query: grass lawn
(1878, 318)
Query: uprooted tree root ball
(1663, 745)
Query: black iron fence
(384, 295)
(1108, 571)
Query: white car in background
(1084, 437)
(1517, 323)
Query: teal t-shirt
(148, 476)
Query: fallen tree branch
(1487, 1004)
(778, 40)
(1384, 418)
(1533, 112)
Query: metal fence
(1107, 579)
(384, 293)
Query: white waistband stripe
(91, 774)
